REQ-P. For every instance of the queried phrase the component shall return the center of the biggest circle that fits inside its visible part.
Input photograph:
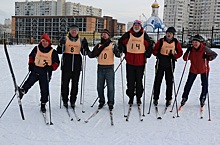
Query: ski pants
(160, 71)
(134, 75)
(66, 77)
(43, 83)
(189, 83)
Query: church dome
(155, 5)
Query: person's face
(73, 32)
(136, 27)
(195, 44)
(45, 43)
(169, 35)
(105, 36)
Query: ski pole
(51, 123)
(106, 85)
(172, 69)
(206, 71)
(180, 82)
(144, 89)
(83, 90)
(61, 75)
(156, 68)
(14, 95)
(122, 83)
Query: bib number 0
(104, 56)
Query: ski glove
(30, 66)
(189, 49)
(85, 44)
(205, 56)
(62, 40)
(48, 68)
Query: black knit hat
(171, 30)
(106, 31)
(197, 38)
(74, 27)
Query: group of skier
(137, 47)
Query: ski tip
(78, 119)
(174, 117)
(83, 111)
(71, 119)
(141, 120)
(86, 121)
(159, 118)
(201, 117)
(126, 119)
(171, 110)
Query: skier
(199, 56)
(71, 46)
(167, 50)
(137, 46)
(43, 59)
(105, 51)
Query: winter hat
(45, 36)
(197, 38)
(74, 27)
(137, 22)
(171, 30)
(106, 31)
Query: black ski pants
(66, 77)
(160, 71)
(43, 83)
(134, 75)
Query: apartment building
(192, 14)
(54, 8)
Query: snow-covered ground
(188, 129)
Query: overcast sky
(122, 10)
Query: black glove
(48, 68)
(31, 66)
(171, 56)
(62, 40)
(85, 44)
(189, 49)
(107, 43)
(205, 56)
(147, 54)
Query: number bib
(136, 44)
(167, 47)
(42, 59)
(72, 47)
(106, 57)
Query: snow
(188, 129)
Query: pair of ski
(129, 112)
(96, 112)
(74, 112)
(200, 111)
(158, 116)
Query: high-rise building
(192, 14)
(176, 14)
(54, 8)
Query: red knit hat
(45, 36)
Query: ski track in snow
(188, 129)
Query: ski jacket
(136, 59)
(164, 59)
(54, 57)
(199, 65)
(99, 49)
(71, 62)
